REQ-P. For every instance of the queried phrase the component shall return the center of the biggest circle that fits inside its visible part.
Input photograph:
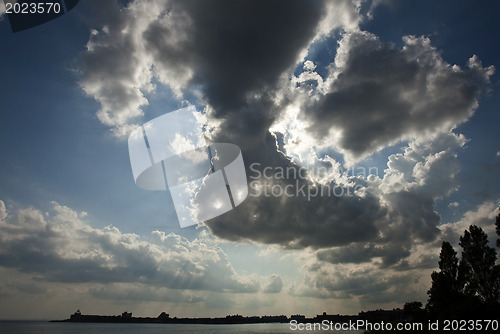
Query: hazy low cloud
(2, 11)
(63, 248)
(483, 216)
(274, 285)
(384, 219)
(144, 292)
(345, 274)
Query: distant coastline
(164, 318)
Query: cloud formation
(221, 49)
(2, 11)
(376, 95)
(384, 219)
(63, 248)
(111, 265)
(262, 90)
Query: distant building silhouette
(126, 317)
(298, 317)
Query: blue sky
(336, 81)
(61, 140)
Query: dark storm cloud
(396, 211)
(237, 51)
(243, 46)
(382, 94)
(416, 215)
(354, 253)
(233, 52)
(390, 252)
(423, 262)
(297, 222)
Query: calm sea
(39, 327)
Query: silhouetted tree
(413, 311)
(497, 226)
(469, 289)
(477, 269)
(445, 293)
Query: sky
(390, 107)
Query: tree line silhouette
(468, 288)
